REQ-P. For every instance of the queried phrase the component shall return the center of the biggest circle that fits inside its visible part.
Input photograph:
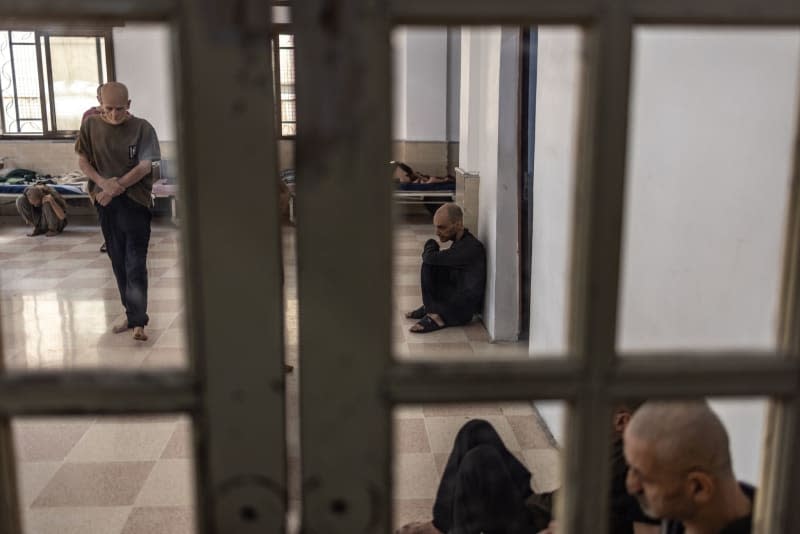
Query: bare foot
(121, 326)
(138, 333)
(418, 527)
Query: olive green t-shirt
(115, 149)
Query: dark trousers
(126, 229)
(484, 487)
(441, 295)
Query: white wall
(142, 55)
(420, 84)
(558, 76)
(489, 142)
(712, 126)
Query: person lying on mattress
(406, 175)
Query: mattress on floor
(442, 186)
(63, 189)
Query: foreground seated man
(43, 208)
(485, 489)
(453, 280)
(680, 470)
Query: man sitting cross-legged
(453, 280)
(680, 470)
(485, 489)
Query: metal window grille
(234, 389)
(30, 102)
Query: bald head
(113, 90)
(452, 211)
(683, 435)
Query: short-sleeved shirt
(114, 149)
(743, 525)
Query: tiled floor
(133, 475)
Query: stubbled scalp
(686, 435)
(454, 212)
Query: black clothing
(453, 280)
(485, 488)
(126, 229)
(743, 525)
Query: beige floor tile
(441, 462)
(164, 305)
(166, 358)
(494, 351)
(179, 445)
(85, 520)
(436, 350)
(170, 484)
(442, 431)
(529, 432)
(410, 435)
(172, 338)
(128, 441)
(415, 476)
(518, 408)
(32, 478)
(410, 510)
(446, 335)
(95, 484)
(48, 439)
(160, 520)
(473, 410)
(408, 412)
(546, 468)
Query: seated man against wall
(43, 208)
(453, 280)
(681, 470)
(485, 489)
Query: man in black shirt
(680, 469)
(453, 280)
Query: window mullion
(777, 510)
(596, 263)
(40, 69)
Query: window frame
(45, 73)
(238, 416)
(281, 29)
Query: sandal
(427, 324)
(419, 313)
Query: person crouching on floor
(43, 208)
(453, 280)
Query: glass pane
(288, 111)
(105, 474)
(60, 301)
(288, 128)
(23, 37)
(450, 137)
(285, 40)
(711, 148)
(7, 84)
(75, 79)
(436, 445)
(287, 66)
(27, 80)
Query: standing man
(116, 151)
(680, 469)
(453, 280)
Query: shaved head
(114, 90)
(449, 222)
(453, 212)
(685, 435)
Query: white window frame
(234, 389)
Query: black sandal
(419, 313)
(428, 325)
